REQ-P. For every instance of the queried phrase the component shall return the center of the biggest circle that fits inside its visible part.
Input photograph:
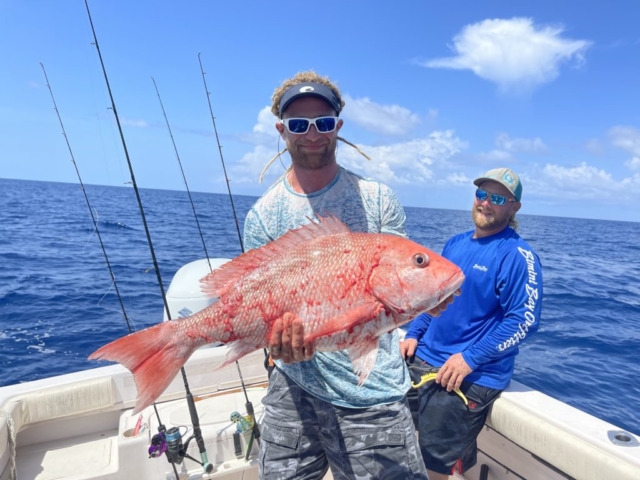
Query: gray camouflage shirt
(364, 206)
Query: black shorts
(448, 428)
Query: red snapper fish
(348, 288)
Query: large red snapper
(348, 288)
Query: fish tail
(153, 355)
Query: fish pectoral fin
(353, 317)
(363, 358)
(237, 350)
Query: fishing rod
(173, 437)
(255, 433)
(175, 149)
(93, 218)
(224, 168)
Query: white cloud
(582, 174)
(508, 146)
(250, 166)
(632, 183)
(382, 119)
(264, 132)
(266, 122)
(581, 182)
(526, 145)
(416, 162)
(515, 53)
(626, 138)
(458, 179)
(633, 164)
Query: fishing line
(208, 467)
(100, 117)
(175, 149)
(93, 218)
(248, 405)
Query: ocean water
(58, 304)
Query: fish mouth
(454, 283)
(458, 280)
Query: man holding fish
(318, 413)
(471, 348)
(328, 252)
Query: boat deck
(80, 427)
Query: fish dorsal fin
(219, 281)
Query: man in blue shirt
(473, 344)
(316, 415)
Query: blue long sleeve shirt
(499, 307)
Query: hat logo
(306, 89)
(508, 178)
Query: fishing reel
(170, 443)
(158, 445)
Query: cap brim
(478, 181)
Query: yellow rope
(428, 377)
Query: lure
(243, 423)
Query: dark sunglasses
(300, 126)
(494, 198)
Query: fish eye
(420, 260)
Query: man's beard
(491, 223)
(314, 160)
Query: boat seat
(573, 441)
(60, 401)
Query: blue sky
(437, 93)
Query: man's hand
(442, 306)
(286, 342)
(452, 373)
(408, 347)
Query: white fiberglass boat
(80, 426)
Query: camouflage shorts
(303, 436)
(449, 428)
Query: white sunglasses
(300, 126)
